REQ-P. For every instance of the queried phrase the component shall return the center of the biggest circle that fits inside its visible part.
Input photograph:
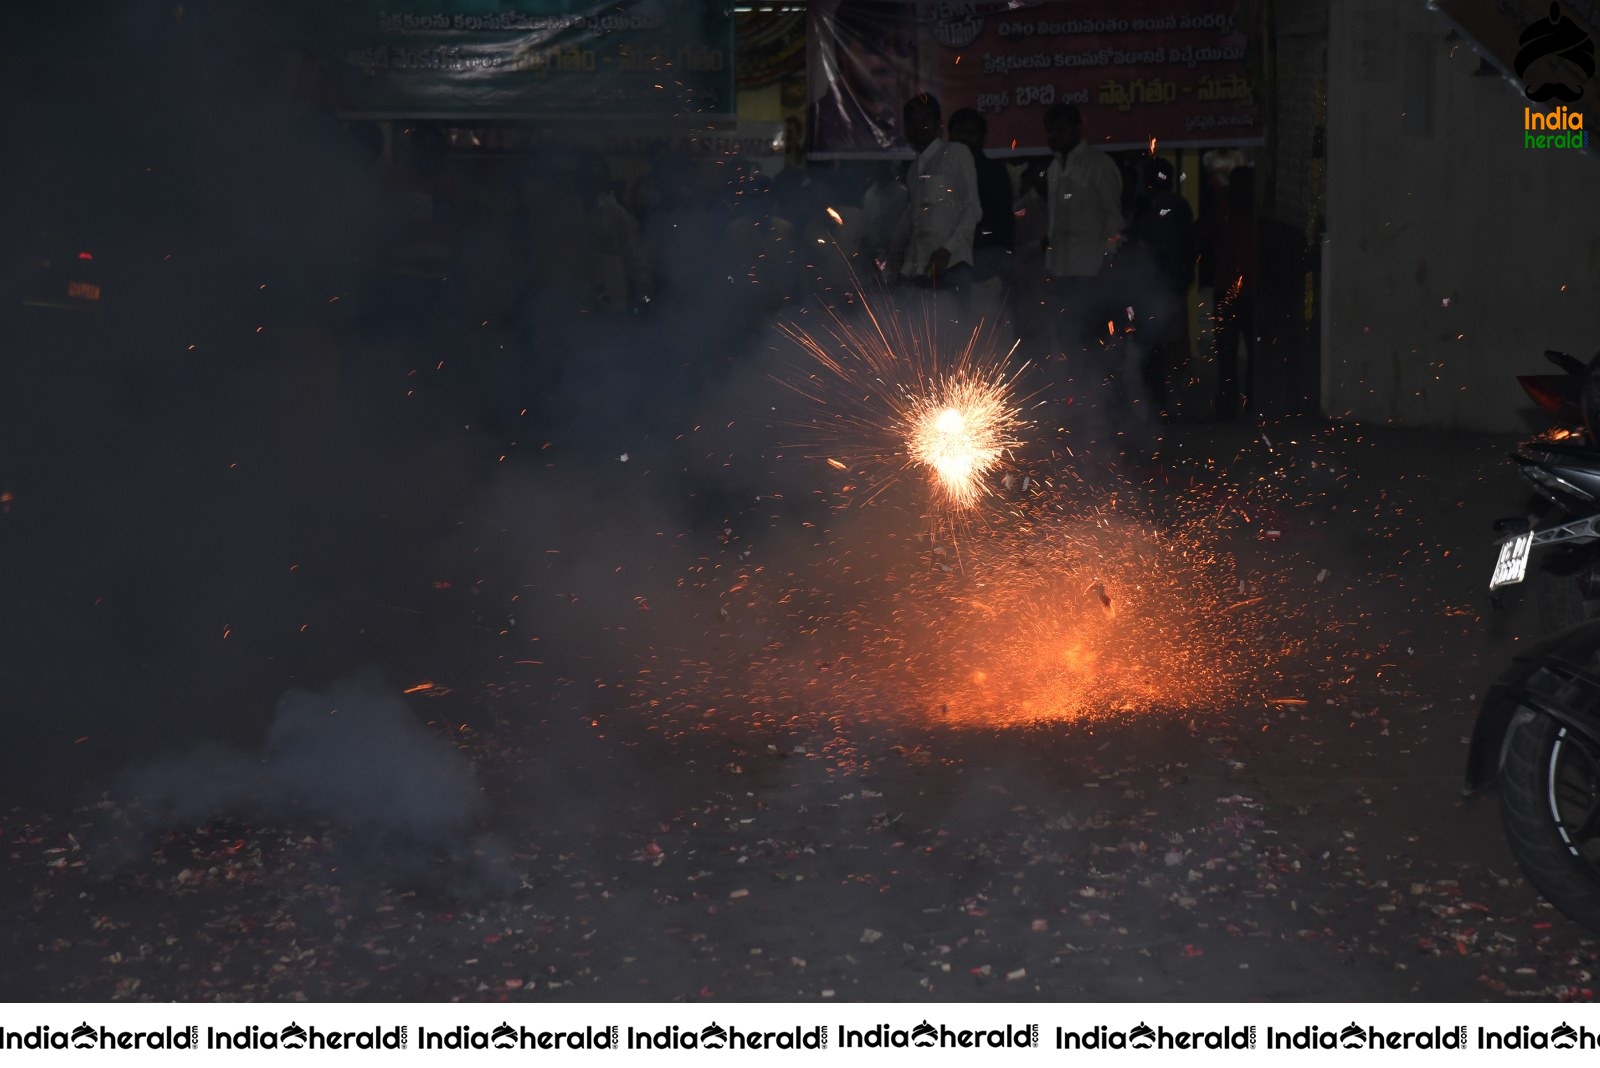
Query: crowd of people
(1119, 250)
(1094, 259)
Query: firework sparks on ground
(1079, 615)
(892, 395)
(1124, 600)
(1077, 593)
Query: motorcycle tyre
(1568, 881)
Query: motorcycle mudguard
(1485, 751)
(1559, 678)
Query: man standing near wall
(995, 241)
(1161, 237)
(942, 187)
(1235, 282)
(1083, 229)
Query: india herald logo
(1554, 51)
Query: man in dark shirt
(993, 245)
(1234, 283)
(1161, 242)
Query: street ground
(573, 765)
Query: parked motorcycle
(1537, 736)
(1560, 395)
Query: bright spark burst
(1075, 595)
(961, 434)
(893, 396)
(1089, 596)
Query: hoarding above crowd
(1173, 70)
(549, 58)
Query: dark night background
(372, 637)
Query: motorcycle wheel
(1550, 804)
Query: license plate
(83, 290)
(1512, 567)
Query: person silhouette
(995, 241)
(1161, 261)
(1235, 282)
(943, 207)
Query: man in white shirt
(943, 205)
(1084, 223)
(883, 212)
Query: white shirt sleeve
(963, 173)
(1107, 183)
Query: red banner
(1173, 70)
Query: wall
(1300, 37)
(1453, 255)
(1288, 376)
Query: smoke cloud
(399, 798)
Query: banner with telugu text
(510, 58)
(1173, 70)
